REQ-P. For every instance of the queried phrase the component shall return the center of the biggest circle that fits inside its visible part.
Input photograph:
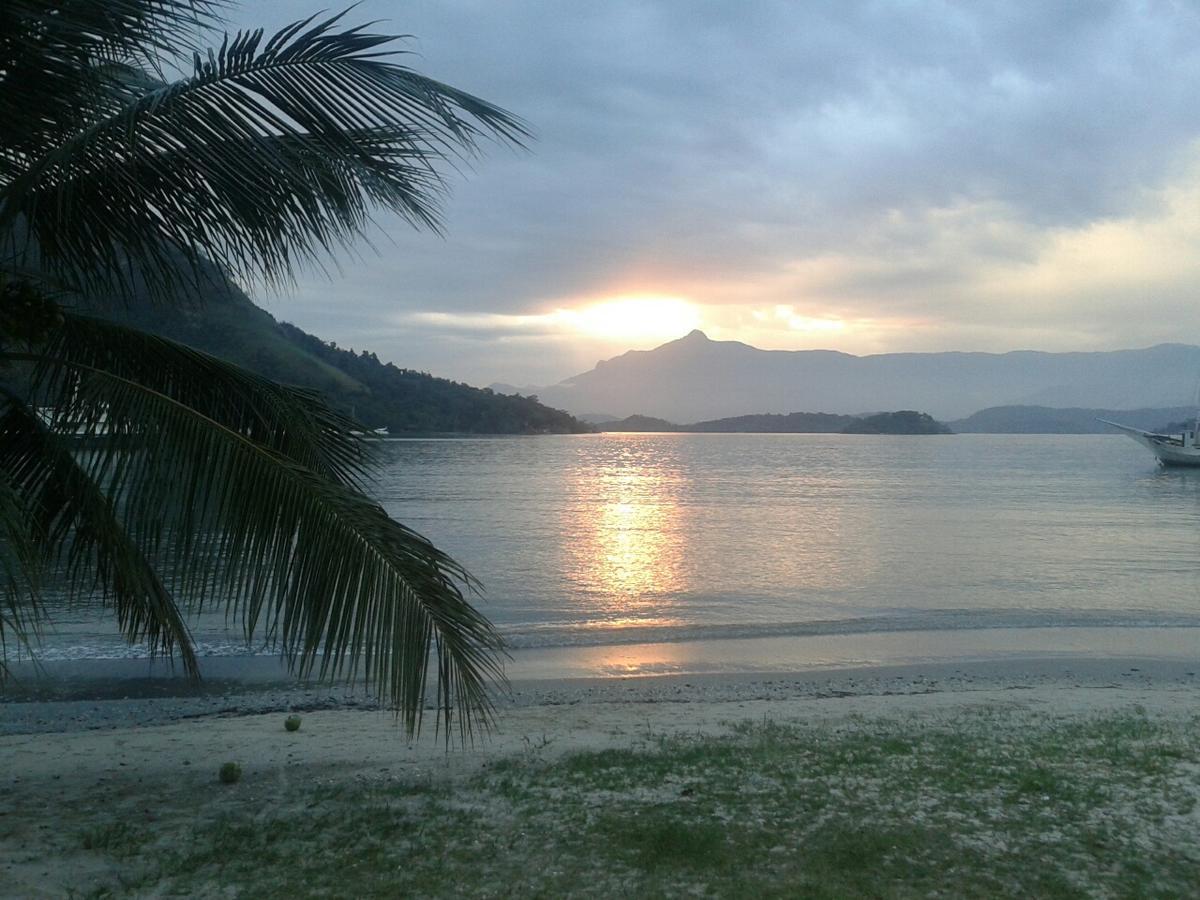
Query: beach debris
(292, 723)
(230, 773)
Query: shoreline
(123, 698)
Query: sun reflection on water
(626, 531)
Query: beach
(85, 776)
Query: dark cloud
(727, 141)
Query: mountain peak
(696, 335)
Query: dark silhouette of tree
(201, 482)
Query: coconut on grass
(230, 773)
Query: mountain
(695, 378)
(771, 423)
(378, 394)
(639, 423)
(1043, 420)
(906, 421)
(903, 422)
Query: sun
(636, 317)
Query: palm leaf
(21, 612)
(268, 156)
(81, 537)
(293, 422)
(56, 58)
(312, 564)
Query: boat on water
(1171, 449)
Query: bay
(718, 541)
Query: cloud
(925, 172)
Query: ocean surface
(643, 554)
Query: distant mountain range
(695, 379)
(1044, 420)
(685, 380)
(764, 423)
(996, 420)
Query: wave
(591, 634)
(542, 636)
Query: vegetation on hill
(903, 422)
(230, 326)
(375, 393)
(1073, 420)
(640, 423)
(404, 400)
(796, 423)
(906, 421)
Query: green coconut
(292, 723)
(230, 773)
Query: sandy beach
(153, 760)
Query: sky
(867, 177)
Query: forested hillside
(903, 422)
(906, 421)
(404, 400)
(378, 394)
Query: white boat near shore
(1171, 449)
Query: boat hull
(1171, 451)
(1170, 455)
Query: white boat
(1171, 449)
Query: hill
(378, 394)
(1044, 420)
(906, 421)
(791, 423)
(636, 423)
(903, 422)
(404, 400)
(697, 379)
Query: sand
(155, 757)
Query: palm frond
(319, 570)
(295, 423)
(106, 30)
(21, 612)
(269, 156)
(57, 60)
(81, 537)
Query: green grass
(984, 804)
(119, 840)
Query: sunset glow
(636, 317)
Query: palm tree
(133, 162)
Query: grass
(982, 804)
(120, 840)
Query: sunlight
(636, 316)
(787, 315)
(626, 530)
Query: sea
(613, 555)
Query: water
(644, 553)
